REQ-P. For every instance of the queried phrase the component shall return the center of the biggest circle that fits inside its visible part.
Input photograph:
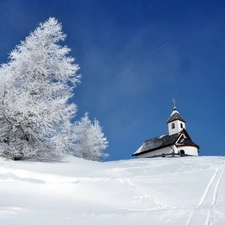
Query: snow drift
(175, 191)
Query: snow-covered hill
(175, 191)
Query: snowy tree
(89, 140)
(35, 87)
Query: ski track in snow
(209, 219)
(214, 181)
(208, 188)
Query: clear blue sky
(135, 57)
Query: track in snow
(161, 203)
(209, 219)
(214, 181)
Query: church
(177, 143)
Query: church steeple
(176, 122)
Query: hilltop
(175, 191)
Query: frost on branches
(89, 139)
(35, 86)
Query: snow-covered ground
(175, 191)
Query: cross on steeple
(174, 104)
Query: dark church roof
(189, 142)
(175, 116)
(157, 143)
(165, 141)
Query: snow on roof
(156, 143)
(162, 135)
(174, 111)
(139, 150)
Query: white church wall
(190, 150)
(178, 126)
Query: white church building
(177, 143)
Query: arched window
(181, 125)
(182, 152)
(173, 125)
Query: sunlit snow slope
(176, 191)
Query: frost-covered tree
(89, 140)
(35, 87)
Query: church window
(182, 152)
(181, 125)
(173, 125)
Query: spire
(176, 122)
(174, 104)
(175, 114)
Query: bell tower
(176, 123)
